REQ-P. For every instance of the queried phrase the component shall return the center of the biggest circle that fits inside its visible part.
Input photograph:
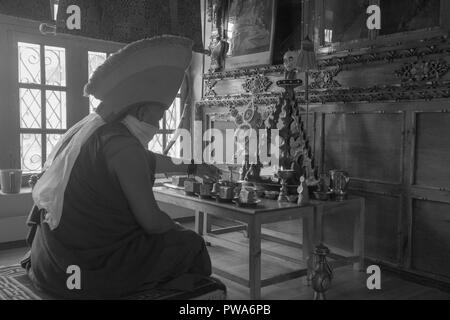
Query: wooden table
(268, 211)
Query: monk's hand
(208, 171)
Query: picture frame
(401, 21)
(249, 28)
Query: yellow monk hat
(148, 70)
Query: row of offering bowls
(242, 192)
(330, 187)
(224, 190)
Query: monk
(94, 205)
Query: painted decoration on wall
(250, 29)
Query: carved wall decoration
(371, 94)
(432, 46)
(252, 115)
(209, 87)
(245, 72)
(257, 84)
(422, 71)
(325, 79)
(420, 50)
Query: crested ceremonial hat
(148, 70)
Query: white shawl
(48, 193)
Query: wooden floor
(346, 285)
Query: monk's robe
(99, 233)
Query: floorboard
(347, 284)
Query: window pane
(52, 140)
(93, 103)
(29, 63)
(156, 145)
(55, 109)
(31, 152)
(173, 115)
(30, 108)
(55, 66)
(95, 59)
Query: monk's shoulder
(115, 137)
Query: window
(168, 125)
(42, 102)
(95, 59)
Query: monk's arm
(133, 172)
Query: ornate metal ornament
(325, 79)
(257, 84)
(209, 88)
(322, 274)
(250, 116)
(422, 71)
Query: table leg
(318, 229)
(199, 222)
(254, 232)
(308, 243)
(358, 237)
(207, 223)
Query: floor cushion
(15, 285)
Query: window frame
(164, 131)
(43, 131)
(77, 106)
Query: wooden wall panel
(431, 237)
(381, 228)
(368, 145)
(433, 150)
(338, 229)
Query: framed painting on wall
(249, 29)
(342, 24)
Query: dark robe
(99, 233)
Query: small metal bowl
(271, 195)
(293, 198)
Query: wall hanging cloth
(38, 10)
(126, 21)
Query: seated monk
(94, 205)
